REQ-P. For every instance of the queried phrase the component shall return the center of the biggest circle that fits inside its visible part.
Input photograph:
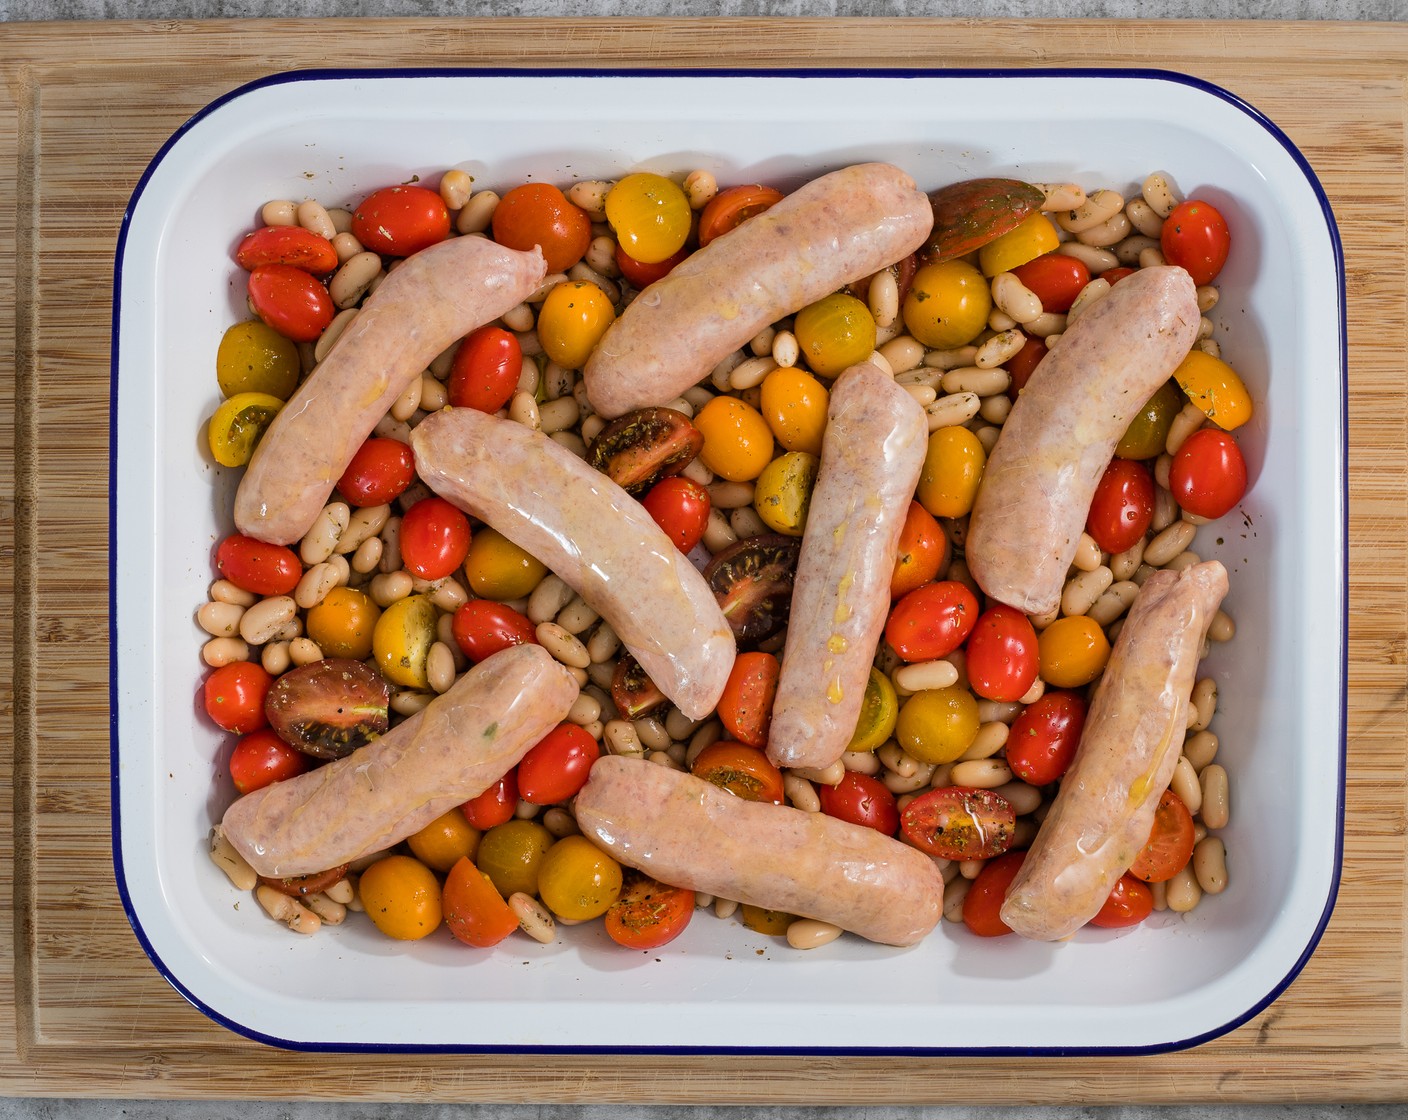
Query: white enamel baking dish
(335, 136)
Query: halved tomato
(732, 207)
(1170, 844)
(740, 769)
(648, 914)
(957, 822)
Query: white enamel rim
(1172, 983)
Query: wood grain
(84, 107)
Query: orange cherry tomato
(1170, 844)
(648, 914)
(740, 769)
(234, 696)
(732, 207)
(474, 911)
(398, 221)
(445, 840)
(486, 369)
(924, 552)
(291, 245)
(982, 906)
(257, 566)
(745, 709)
(1130, 902)
(540, 214)
(295, 303)
(262, 758)
(932, 621)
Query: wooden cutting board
(84, 107)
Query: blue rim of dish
(821, 1051)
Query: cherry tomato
(1072, 651)
(956, 822)
(648, 914)
(938, 724)
(402, 898)
(1214, 387)
(1055, 279)
(556, 767)
(1195, 237)
(572, 320)
(1035, 237)
(295, 303)
(632, 691)
(495, 805)
(863, 800)
(343, 623)
(379, 472)
(680, 507)
(650, 215)
(932, 621)
(642, 274)
(1002, 654)
(234, 696)
(1024, 365)
(445, 841)
(982, 906)
(1147, 434)
(834, 333)
(1115, 275)
(262, 758)
(401, 640)
(511, 854)
(496, 568)
(794, 403)
(398, 221)
(737, 440)
(239, 424)
(745, 708)
(732, 207)
(1123, 506)
(540, 214)
(879, 711)
(577, 880)
(485, 372)
(482, 628)
(948, 304)
(1130, 902)
(255, 358)
(782, 495)
(1044, 737)
(1208, 476)
(1170, 843)
(257, 566)
(291, 245)
(434, 538)
(740, 769)
(954, 461)
(474, 911)
(923, 553)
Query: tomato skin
(1130, 902)
(733, 206)
(923, 553)
(295, 303)
(291, 245)
(1055, 279)
(1072, 651)
(863, 800)
(495, 805)
(257, 566)
(486, 369)
(982, 906)
(401, 220)
(474, 911)
(556, 767)
(1195, 237)
(1044, 737)
(1170, 843)
(745, 708)
(1123, 506)
(434, 538)
(482, 627)
(234, 696)
(402, 897)
(641, 274)
(572, 320)
(680, 506)
(540, 214)
(648, 914)
(379, 472)
(740, 769)
(932, 621)
(1208, 476)
(1024, 365)
(261, 758)
(650, 215)
(959, 823)
(1115, 275)
(1002, 654)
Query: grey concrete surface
(26, 10)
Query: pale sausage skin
(828, 233)
(1061, 434)
(427, 302)
(594, 536)
(454, 749)
(871, 456)
(689, 833)
(1104, 810)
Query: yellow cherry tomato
(402, 638)
(650, 215)
(835, 333)
(573, 318)
(878, 712)
(952, 471)
(1035, 237)
(783, 492)
(774, 923)
(1072, 651)
(498, 569)
(794, 403)
(445, 841)
(948, 304)
(938, 724)
(1214, 386)
(342, 625)
(1147, 434)
(511, 854)
(402, 897)
(737, 440)
(577, 880)
(239, 424)
(254, 358)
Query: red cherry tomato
(732, 207)
(379, 472)
(1123, 506)
(556, 767)
(863, 800)
(1024, 364)
(495, 805)
(482, 628)
(932, 621)
(262, 758)
(257, 566)
(293, 302)
(1170, 844)
(475, 912)
(1115, 275)
(648, 914)
(1055, 279)
(1195, 237)
(1002, 654)
(291, 245)
(434, 538)
(680, 506)
(745, 708)
(642, 275)
(234, 696)
(982, 906)
(1208, 476)
(1129, 904)
(399, 221)
(740, 769)
(486, 369)
(1044, 737)
(540, 214)
(957, 822)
